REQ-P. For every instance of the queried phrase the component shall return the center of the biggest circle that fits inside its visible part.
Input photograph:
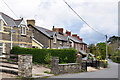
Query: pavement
(110, 72)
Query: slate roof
(50, 33)
(76, 40)
(10, 21)
(83, 52)
(47, 32)
(61, 37)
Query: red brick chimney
(80, 39)
(57, 29)
(60, 30)
(74, 35)
(68, 33)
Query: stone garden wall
(57, 68)
(69, 68)
(25, 65)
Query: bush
(106, 65)
(48, 58)
(116, 59)
(44, 55)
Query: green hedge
(116, 59)
(65, 55)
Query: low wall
(69, 68)
(57, 68)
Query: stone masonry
(57, 68)
(25, 66)
(54, 65)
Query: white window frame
(83, 47)
(55, 39)
(23, 45)
(60, 42)
(23, 32)
(0, 25)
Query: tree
(102, 49)
(92, 48)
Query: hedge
(65, 55)
(116, 59)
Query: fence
(84, 66)
(95, 64)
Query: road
(111, 72)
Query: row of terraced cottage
(26, 34)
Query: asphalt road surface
(111, 72)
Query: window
(1, 48)
(62, 43)
(67, 43)
(23, 45)
(23, 30)
(83, 47)
(55, 39)
(34, 47)
(0, 25)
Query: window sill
(23, 35)
(54, 42)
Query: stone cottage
(77, 42)
(48, 39)
(13, 33)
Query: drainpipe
(11, 37)
(12, 31)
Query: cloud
(100, 14)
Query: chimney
(78, 37)
(74, 35)
(68, 33)
(31, 22)
(60, 30)
(81, 39)
(53, 28)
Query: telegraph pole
(106, 49)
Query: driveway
(111, 72)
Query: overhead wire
(82, 18)
(10, 8)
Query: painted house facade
(13, 33)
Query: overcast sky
(102, 15)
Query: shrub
(116, 59)
(48, 58)
(43, 55)
(106, 65)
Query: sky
(102, 15)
